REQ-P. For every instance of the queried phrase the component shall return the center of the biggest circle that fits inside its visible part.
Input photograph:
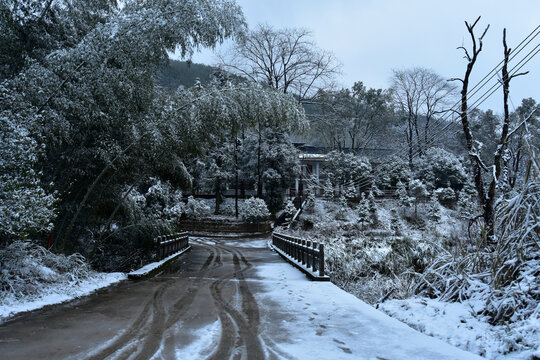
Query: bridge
(223, 299)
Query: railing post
(303, 252)
(314, 250)
(308, 262)
(321, 259)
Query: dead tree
(486, 195)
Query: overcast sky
(372, 37)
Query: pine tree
(363, 210)
(394, 223)
(343, 209)
(351, 193)
(328, 189)
(372, 206)
(403, 198)
(290, 209)
(434, 209)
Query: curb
(137, 275)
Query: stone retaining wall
(223, 226)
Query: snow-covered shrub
(196, 209)
(159, 201)
(254, 210)
(343, 209)
(502, 281)
(309, 207)
(447, 196)
(290, 209)
(29, 269)
(389, 173)
(439, 168)
(343, 168)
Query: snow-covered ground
(458, 324)
(58, 294)
(322, 321)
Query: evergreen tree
(403, 197)
(363, 210)
(372, 206)
(328, 189)
(434, 209)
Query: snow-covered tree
(328, 189)
(363, 210)
(439, 168)
(434, 209)
(372, 207)
(26, 205)
(287, 60)
(390, 172)
(353, 119)
(343, 168)
(403, 197)
(343, 209)
(350, 192)
(87, 81)
(254, 210)
(290, 209)
(418, 193)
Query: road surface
(223, 299)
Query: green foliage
(439, 168)
(403, 196)
(389, 173)
(363, 210)
(82, 76)
(434, 209)
(342, 168)
(254, 210)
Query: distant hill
(178, 73)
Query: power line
(481, 99)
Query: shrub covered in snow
(196, 209)
(439, 168)
(29, 269)
(389, 173)
(254, 210)
(447, 196)
(502, 282)
(343, 167)
(290, 209)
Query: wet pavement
(222, 299)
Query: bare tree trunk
(410, 142)
(259, 174)
(235, 176)
(497, 162)
(474, 158)
(218, 195)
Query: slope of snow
(322, 321)
(60, 294)
(458, 324)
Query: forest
(107, 143)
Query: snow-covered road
(223, 299)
